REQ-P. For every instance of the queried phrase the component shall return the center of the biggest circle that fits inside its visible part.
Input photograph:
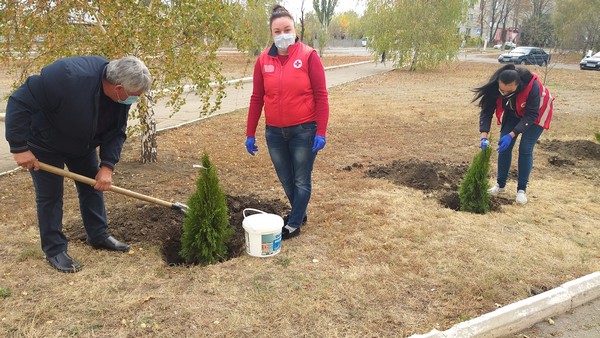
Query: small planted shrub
(473, 188)
(5, 292)
(206, 229)
(598, 136)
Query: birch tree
(177, 40)
(417, 34)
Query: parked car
(525, 55)
(590, 62)
(507, 45)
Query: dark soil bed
(157, 225)
(139, 222)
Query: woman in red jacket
(523, 106)
(289, 82)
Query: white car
(590, 62)
(507, 45)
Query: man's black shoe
(288, 232)
(110, 243)
(286, 217)
(64, 263)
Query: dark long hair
(279, 12)
(488, 93)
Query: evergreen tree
(473, 188)
(206, 229)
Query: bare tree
(482, 13)
(493, 18)
(540, 7)
(302, 21)
(499, 13)
(508, 8)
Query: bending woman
(523, 106)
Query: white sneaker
(521, 197)
(495, 190)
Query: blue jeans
(290, 149)
(528, 141)
(49, 200)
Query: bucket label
(271, 244)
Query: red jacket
(292, 92)
(545, 109)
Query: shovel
(91, 181)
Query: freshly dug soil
(138, 222)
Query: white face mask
(506, 96)
(283, 41)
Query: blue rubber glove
(504, 142)
(319, 143)
(250, 146)
(484, 143)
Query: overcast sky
(342, 6)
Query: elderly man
(61, 116)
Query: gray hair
(130, 72)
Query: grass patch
(5, 292)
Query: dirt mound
(152, 224)
(572, 150)
(422, 175)
(579, 157)
(442, 180)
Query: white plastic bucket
(263, 233)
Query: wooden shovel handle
(91, 181)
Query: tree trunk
(482, 4)
(413, 62)
(149, 148)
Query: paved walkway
(237, 98)
(582, 322)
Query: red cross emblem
(297, 64)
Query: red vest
(289, 99)
(546, 104)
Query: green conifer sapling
(206, 229)
(473, 188)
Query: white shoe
(521, 197)
(495, 190)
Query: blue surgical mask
(129, 100)
(283, 41)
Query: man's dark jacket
(58, 111)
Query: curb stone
(523, 314)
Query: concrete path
(582, 322)
(237, 98)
